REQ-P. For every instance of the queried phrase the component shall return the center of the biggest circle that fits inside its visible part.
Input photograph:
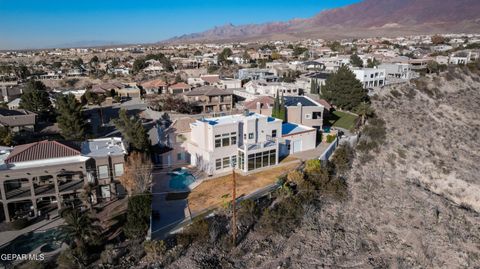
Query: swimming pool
(26, 243)
(180, 179)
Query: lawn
(342, 120)
(218, 191)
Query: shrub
(154, 249)
(295, 176)
(342, 159)
(283, 217)
(396, 93)
(138, 216)
(330, 138)
(247, 212)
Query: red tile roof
(265, 102)
(179, 86)
(153, 84)
(40, 151)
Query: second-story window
(102, 171)
(118, 169)
(233, 138)
(218, 141)
(274, 133)
(250, 136)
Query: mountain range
(364, 19)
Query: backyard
(342, 119)
(217, 191)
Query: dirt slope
(404, 205)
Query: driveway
(171, 212)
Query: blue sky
(37, 23)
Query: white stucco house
(249, 141)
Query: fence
(329, 151)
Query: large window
(218, 141)
(260, 159)
(218, 164)
(274, 133)
(225, 140)
(118, 169)
(226, 162)
(102, 171)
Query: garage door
(297, 146)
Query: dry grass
(216, 191)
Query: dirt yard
(219, 191)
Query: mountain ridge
(363, 19)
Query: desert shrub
(295, 176)
(154, 249)
(375, 130)
(396, 93)
(342, 159)
(283, 217)
(198, 230)
(247, 212)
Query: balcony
(269, 144)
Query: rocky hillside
(364, 19)
(411, 202)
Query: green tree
(35, 98)
(71, 120)
(343, 89)
(80, 228)
(138, 216)
(356, 61)
(22, 72)
(371, 63)
(283, 110)
(276, 106)
(223, 56)
(138, 65)
(364, 110)
(133, 131)
(6, 137)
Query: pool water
(26, 243)
(326, 129)
(180, 179)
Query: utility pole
(234, 214)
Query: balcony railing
(260, 145)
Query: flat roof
(102, 147)
(289, 128)
(235, 118)
(303, 100)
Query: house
(156, 86)
(42, 176)
(296, 138)
(108, 156)
(125, 90)
(260, 87)
(17, 120)
(301, 110)
(257, 74)
(304, 110)
(210, 99)
(247, 141)
(370, 77)
(172, 143)
(9, 93)
(180, 87)
(397, 70)
(14, 104)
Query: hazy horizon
(39, 24)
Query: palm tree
(80, 228)
(86, 194)
(364, 110)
